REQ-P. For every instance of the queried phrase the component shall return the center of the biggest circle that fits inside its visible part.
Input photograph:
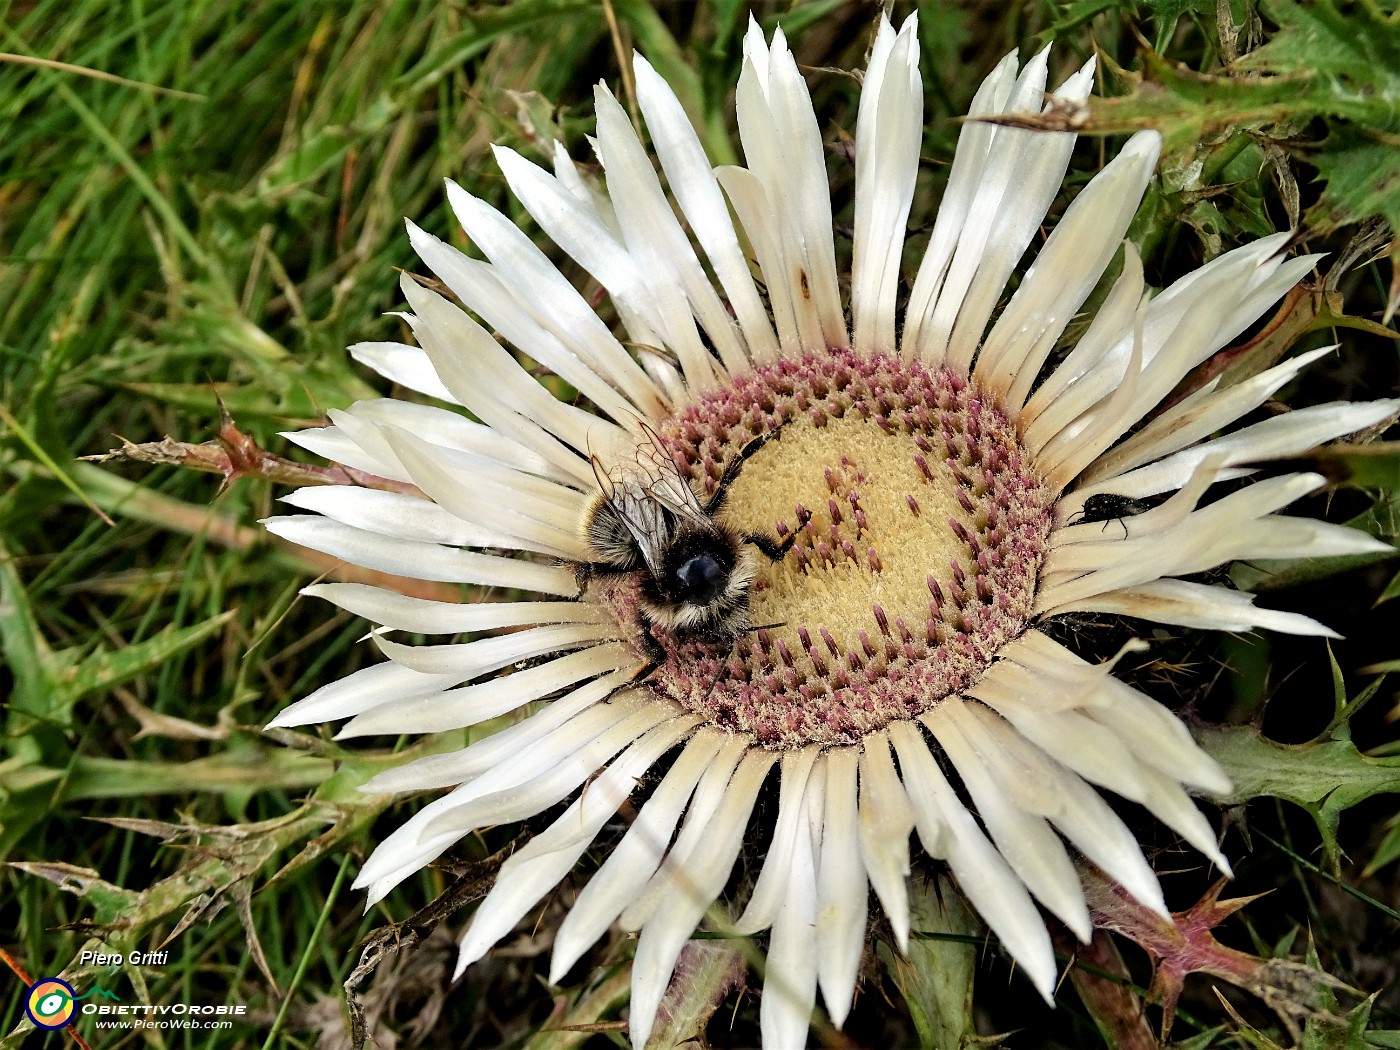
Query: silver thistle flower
(928, 490)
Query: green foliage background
(235, 230)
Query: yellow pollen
(917, 535)
(868, 477)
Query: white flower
(935, 474)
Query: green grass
(233, 232)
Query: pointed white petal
(948, 831)
(1000, 788)
(395, 514)
(543, 499)
(455, 482)
(1029, 168)
(768, 891)
(1196, 418)
(1065, 272)
(527, 799)
(1168, 802)
(1155, 736)
(396, 858)
(476, 703)
(545, 294)
(501, 750)
(401, 612)
(1220, 532)
(802, 186)
(663, 253)
(674, 870)
(1179, 333)
(1159, 741)
(452, 430)
(1090, 369)
(635, 859)
(532, 871)
(965, 183)
(596, 247)
(750, 200)
(693, 182)
(336, 446)
(1078, 811)
(488, 293)
(497, 390)
(601, 730)
(473, 659)
(417, 560)
(406, 365)
(888, 135)
(1286, 435)
(790, 976)
(361, 690)
(1198, 605)
(783, 149)
(1092, 750)
(694, 874)
(886, 818)
(841, 888)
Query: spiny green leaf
(935, 977)
(1325, 777)
(83, 883)
(1167, 13)
(1328, 1031)
(1354, 61)
(1357, 53)
(1362, 180)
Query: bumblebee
(695, 569)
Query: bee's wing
(607, 485)
(663, 481)
(651, 496)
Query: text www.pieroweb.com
(165, 1016)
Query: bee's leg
(655, 654)
(776, 550)
(585, 572)
(734, 466)
(773, 550)
(583, 575)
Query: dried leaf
(1184, 944)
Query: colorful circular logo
(50, 1003)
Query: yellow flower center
(920, 530)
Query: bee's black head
(702, 577)
(697, 566)
(700, 588)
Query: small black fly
(1106, 507)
